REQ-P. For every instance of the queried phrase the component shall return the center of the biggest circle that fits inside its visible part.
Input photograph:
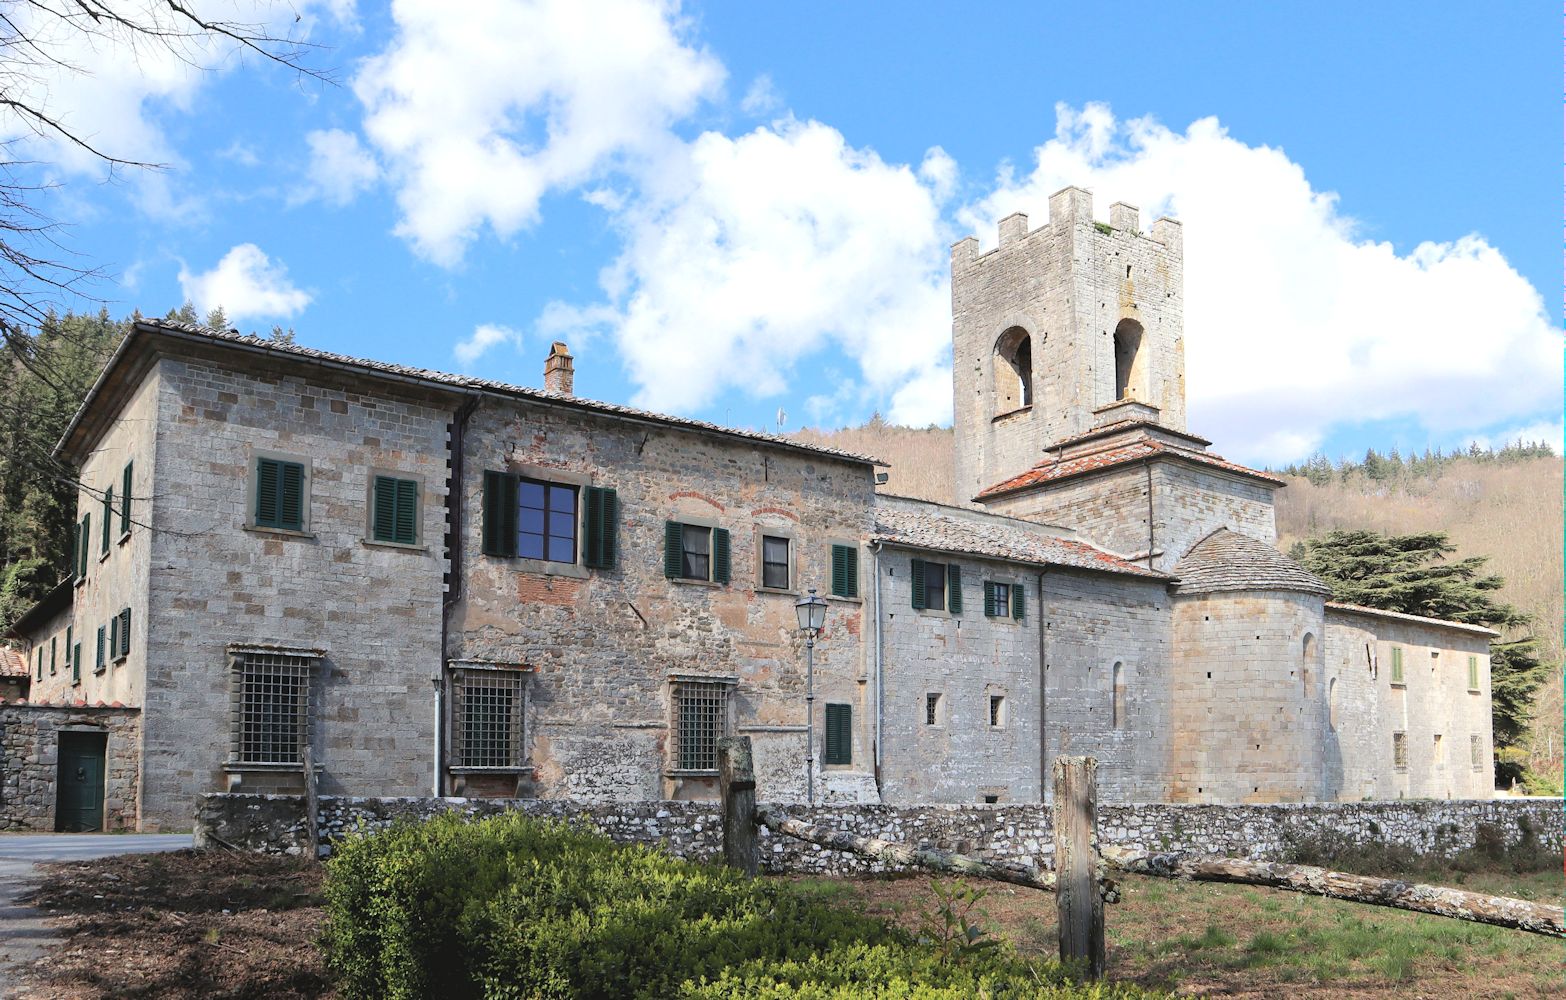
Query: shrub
(515, 907)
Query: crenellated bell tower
(1062, 329)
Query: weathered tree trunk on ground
(737, 790)
(1501, 911)
(902, 854)
(1079, 906)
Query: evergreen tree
(1412, 574)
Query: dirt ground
(221, 925)
(185, 924)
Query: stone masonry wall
(1095, 621)
(998, 832)
(218, 579)
(29, 758)
(1191, 503)
(965, 660)
(601, 644)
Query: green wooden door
(79, 788)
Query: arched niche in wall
(1013, 364)
(1308, 657)
(1117, 705)
(1332, 704)
(1130, 362)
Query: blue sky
(728, 209)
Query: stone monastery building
(442, 584)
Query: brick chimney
(557, 369)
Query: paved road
(24, 936)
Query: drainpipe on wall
(459, 424)
(1044, 775)
(879, 701)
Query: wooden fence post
(737, 788)
(1079, 907)
(312, 804)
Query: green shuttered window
(603, 517)
(954, 588)
(76, 663)
(1003, 600)
(1018, 602)
(1397, 664)
(1473, 673)
(936, 586)
(125, 500)
(83, 540)
(123, 618)
(279, 494)
(839, 735)
(916, 581)
(695, 552)
(500, 514)
(394, 510)
(102, 638)
(845, 571)
(114, 637)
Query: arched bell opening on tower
(1130, 362)
(1013, 371)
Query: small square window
(774, 562)
(932, 709)
(997, 711)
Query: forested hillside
(1504, 505)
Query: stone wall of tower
(1068, 283)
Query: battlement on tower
(1057, 322)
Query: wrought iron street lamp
(812, 616)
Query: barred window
(489, 711)
(701, 716)
(273, 707)
(1476, 752)
(1400, 751)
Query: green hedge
(516, 907)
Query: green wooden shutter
(500, 514)
(603, 510)
(68, 660)
(40, 662)
(1017, 601)
(125, 632)
(851, 561)
(1473, 673)
(81, 550)
(76, 545)
(384, 512)
(291, 494)
(54, 655)
(673, 549)
(406, 524)
(114, 637)
(125, 500)
(839, 735)
(839, 571)
(266, 493)
(916, 574)
(108, 520)
(720, 555)
(989, 598)
(76, 663)
(954, 589)
(1397, 664)
(98, 663)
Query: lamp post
(812, 616)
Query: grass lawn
(1204, 938)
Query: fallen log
(1501, 911)
(919, 857)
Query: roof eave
(1151, 575)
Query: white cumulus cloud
(1294, 322)
(340, 167)
(744, 255)
(246, 284)
(478, 116)
(484, 336)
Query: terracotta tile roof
(1227, 560)
(1050, 471)
(1120, 427)
(1359, 609)
(64, 703)
(12, 663)
(922, 525)
(455, 382)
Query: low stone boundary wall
(1000, 832)
(29, 761)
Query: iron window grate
(490, 712)
(274, 707)
(1400, 751)
(701, 710)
